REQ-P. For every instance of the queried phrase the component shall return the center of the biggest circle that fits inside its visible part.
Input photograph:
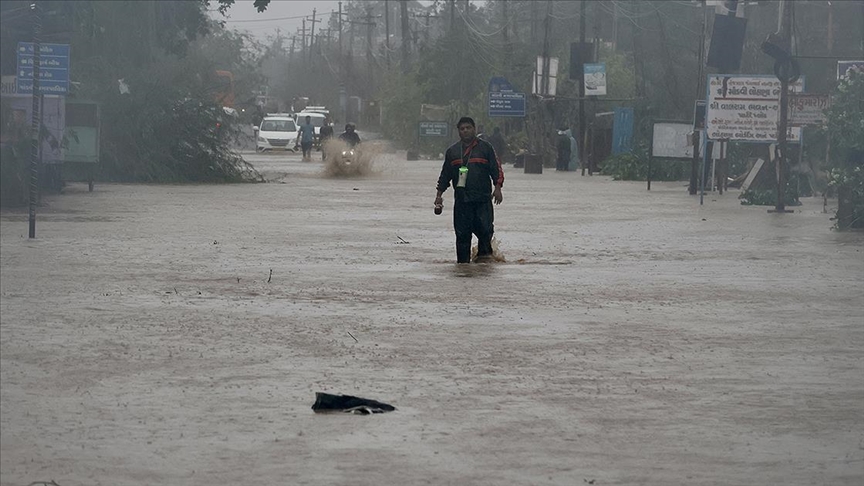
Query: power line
(267, 20)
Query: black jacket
(351, 138)
(484, 168)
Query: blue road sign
(504, 103)
(53, 68)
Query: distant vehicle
(317, 120)
(317, 109)
(276, 132)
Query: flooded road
(632, 337)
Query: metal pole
(582, 15)
(783, 122)
(387, 32)
(36, 118)
(700, 92)
(650, 154)
(705, 150)
(340, 31)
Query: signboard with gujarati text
(433, 129)
(807, 109)
(53, 68)
(746, 108)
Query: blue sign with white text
(506, 104)
(53, 68)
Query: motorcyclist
(349, 136)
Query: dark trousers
(473, 218)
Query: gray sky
(243, 16)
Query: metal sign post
(36, 120)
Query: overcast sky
(243, 16)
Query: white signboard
(807, 109)
(595, 79)
(537, 84)
(746, 108)
(672, 140)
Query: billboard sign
(595, 79)
(807, 109)
(434, 129)
(745, 108)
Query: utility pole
(582, 145)
(406, 35)
(340, 30)
(387, 32)
(785, 35)
(312, 36)
(35, 118)
(369, 25)
(700, 92)
(304, 39)
(291, 53)
(533, 24)
(592, 161)
(614, 26)
(505, 34)
(830, 29)
(544, 80)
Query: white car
(278, 132)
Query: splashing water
(497, 256)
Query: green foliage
(849, 182)
(768, 197)
(165, 128)
(634, 167)
(846, 128)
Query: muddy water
(630, 338)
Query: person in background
(498, 143)
(325, 133)
(472, 168)
(573, 163)
(563, 144)
(306, 135)
(349, 136)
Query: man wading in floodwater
(472, 166)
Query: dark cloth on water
(472, 211)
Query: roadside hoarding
(746, 108)
(503, 100)
(595, 79)
(433, 129)
(807, 109)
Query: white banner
(746, 108)
(808, 109)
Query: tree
(846, 128)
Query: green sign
(434, 129)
